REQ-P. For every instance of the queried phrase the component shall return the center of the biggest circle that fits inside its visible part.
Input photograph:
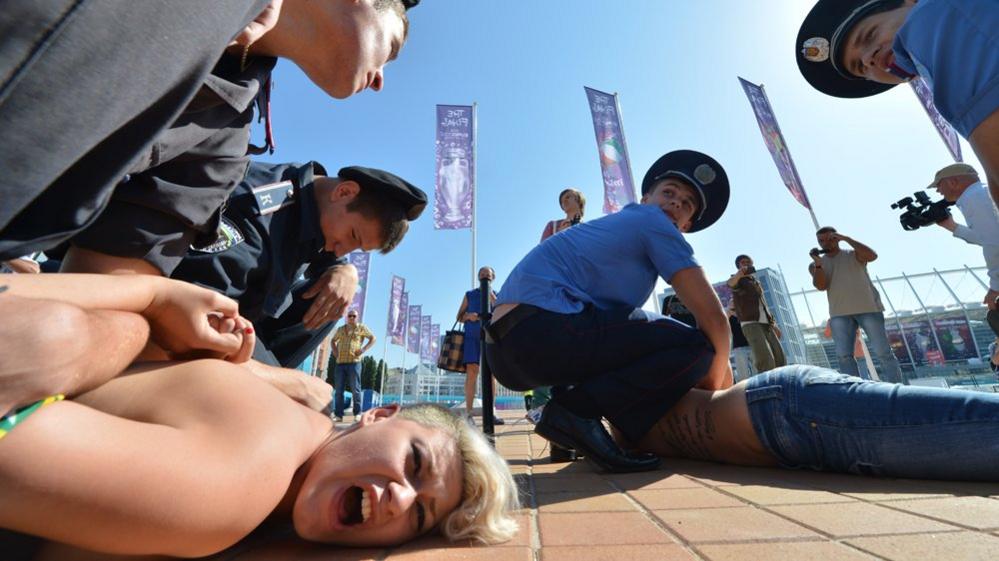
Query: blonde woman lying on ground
(187, 458)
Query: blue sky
(675, 66)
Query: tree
(368, 372)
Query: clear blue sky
(675, 66)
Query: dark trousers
(85, 87)
(284, 340)
(615, 364)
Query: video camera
(921, 211)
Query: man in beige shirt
(853, 301)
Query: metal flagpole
(475, 180)
(624, 141)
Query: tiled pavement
(694, 510)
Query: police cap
(410, 197)
(819, 47)
(703, 173)
(410, 3)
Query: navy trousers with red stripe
(619, 364)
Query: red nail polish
(248, 331)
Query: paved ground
(695, 510)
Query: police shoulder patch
(229, 235)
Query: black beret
(703, 173)
(819, 43)
(410, 3)
(410, 197)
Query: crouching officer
(859, 48)
(282, 244)
(569, 315)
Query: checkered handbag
(452, 353)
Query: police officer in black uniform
(282, 232)
(88, 95)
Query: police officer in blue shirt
(569, 315)
(282, 243)
(859, 48)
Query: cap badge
(816, 49)
(705, 174)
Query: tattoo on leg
(3, 288)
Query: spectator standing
(471, 307)
(755, 319)
(347, 346)
(853, 301)
(959, 184)
(573, 203)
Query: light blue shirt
(983, 227)
(954, 46)
(610, 262)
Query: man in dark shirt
(285, 233)
(89, 87)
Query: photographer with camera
(959, 183)
(853, 301)
(754, 317)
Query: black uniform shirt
(269, 234)
(174, 191)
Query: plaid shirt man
(347, 340)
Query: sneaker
(534, 415)
(497, 420)
(338, 419)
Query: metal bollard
(488, 424)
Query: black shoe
(498, 420)
(589, 437)
(561, 454)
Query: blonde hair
(489, 493)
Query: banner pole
(624, 142)
(475, 182)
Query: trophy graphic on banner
(454, 175)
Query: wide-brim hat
(820, 40)
(703, 173)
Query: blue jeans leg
(844, 334)
(815, 418)
(341, 374)
(355, 389)
(873, 325)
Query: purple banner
(947, 132)
(362, 261)
(455, 151)
(425, 323)
(397, 312)
(435, 342)
(775, 141)
(619, 188)
(413, 329)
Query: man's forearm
(863, 252)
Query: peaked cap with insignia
(703, 173)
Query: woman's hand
(185, 319)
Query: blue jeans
(844, 333)
(343, 373)
(815, 418)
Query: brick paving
(701, 511)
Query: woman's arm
(49, 348)
(169, 460)
(178, 312)
(462, 308)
